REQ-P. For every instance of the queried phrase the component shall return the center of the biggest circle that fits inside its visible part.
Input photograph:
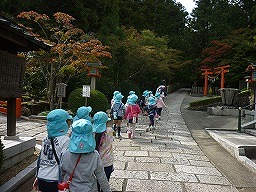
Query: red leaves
(214, 55)
(32, 15)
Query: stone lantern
(93, 72)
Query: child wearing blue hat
(89, 169)
(151, 110)
(104, 139)
(159, 104)
(118, 111)
(131, 114)
(83, 113)
(53, 145)
(114, 96)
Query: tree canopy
(149, 40)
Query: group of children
(151, 105)
(77, 152)
(81, 159)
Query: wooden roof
(15, 38)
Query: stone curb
(236, 151)
(19, 179)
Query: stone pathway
(166, 160)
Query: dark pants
(46, 186)
(159, 111)
(108, 170)
(151, 118)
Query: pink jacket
(132, 111)
(160, 103)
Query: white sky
(188, 4)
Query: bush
(241, 100)
(36, 107)
(97, 101)
(1, 154)
(204, 103)
(25, 111)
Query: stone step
(16, 149)
(250, 131)
(247, 124)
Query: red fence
(3, 107)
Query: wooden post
(11, 117)
(18, 107)
(205, 83)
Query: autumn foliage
(71, 48)
(212, 56)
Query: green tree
(143, 59)
(71, 49)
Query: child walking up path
(118, 111)
(104, 139)
(131, 114)
(151, 109)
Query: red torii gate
(217, 70)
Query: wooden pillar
(93, 82)
(222, 79)
(11, 117)
(18, 107)
(205, 83)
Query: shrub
(241, 100)
(36, 107)
(97, 100)
(25, 111)
(204, 103)
(1, 154)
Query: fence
(3, 107)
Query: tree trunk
(51, 88)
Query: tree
(143, 58)
(214, 55)
(71, 49)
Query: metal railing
(251, 106)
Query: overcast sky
(188, 4)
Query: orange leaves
(32, 15)
(63, 18)
(90, 49)
(71, 45)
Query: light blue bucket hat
(151, 101)
(83, 113)
(145, 93)
(131, 92)
(118, 98)
(157, 95)
(115, 93)
(99, 122)
(132, 100)
(56, 123)
(82, 139)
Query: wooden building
(13, 40)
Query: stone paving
(167, 159)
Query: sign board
(61, 90)
(254, 76)
(86, 90)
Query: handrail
(240, 115)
